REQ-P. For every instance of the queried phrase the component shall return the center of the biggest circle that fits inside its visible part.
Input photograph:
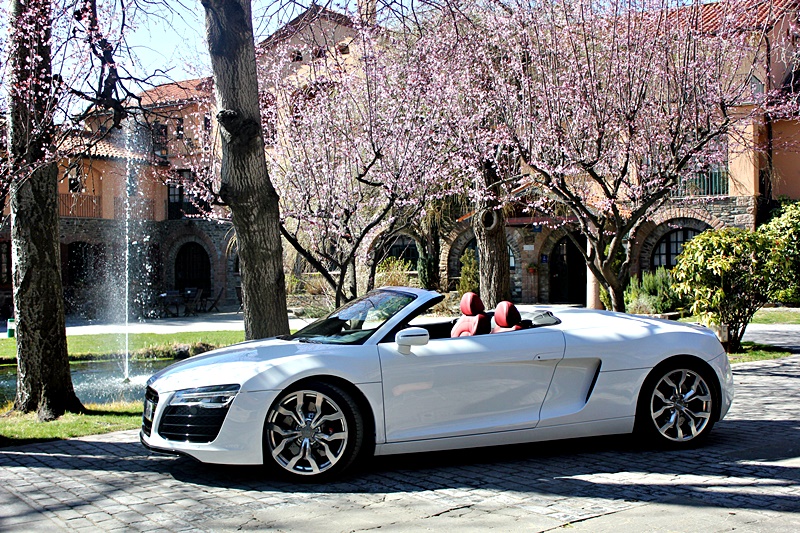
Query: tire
(678, 405)
(313, 432)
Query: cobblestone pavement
(747, 477)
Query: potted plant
(532, 268)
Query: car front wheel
(676, 406)
(313, 432)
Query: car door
(468, 385)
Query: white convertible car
(379, 377)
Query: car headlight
(214, 397)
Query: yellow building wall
(786, 159)
(743, 161)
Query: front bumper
(239, 440)
(722, 367)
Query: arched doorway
(193, 268)
(567, 273)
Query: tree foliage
(785, 229)
(730, 274)
(609, 106)
(470, 275)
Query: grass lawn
(777, 315)
(757, 352)
(16, 428)
(92, 346)
(767, 315)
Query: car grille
(191, 424)
(149, 396)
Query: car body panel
(468, 385)
(580, 377)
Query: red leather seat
(474, 321)
(507, 318)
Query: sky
(176, 41)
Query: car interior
(505, 318)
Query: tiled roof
(307, 17)
(178, 92)
(109, 147)
(756, 14)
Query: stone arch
(642, 239)
(457, 242)
(192, 234)
(659, 230)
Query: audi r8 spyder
(381, 376)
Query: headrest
(471, 304)
(506, 315)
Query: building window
(343, 49)
(181, 202)
(207, 122)
(296, 56)
(160, 139)
(756, 85)
(405, 248)
(179, 128)
(75, 178)
(666, 252)
(320, 52)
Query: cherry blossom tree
(611, 105)
(60, 57)
(356, 152)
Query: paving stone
(750, 466)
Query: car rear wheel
(313, 432)
(676, 406)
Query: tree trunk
(489, 225)
(429, 249)
(490, 233)
(245, 184)
(44, 382)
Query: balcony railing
(140, 208)
(73, 205)
(712, 183)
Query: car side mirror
(409, 337)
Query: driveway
(747, 477)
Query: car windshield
(356, 321)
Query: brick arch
(548, 243)
(643, 238)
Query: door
(468, 385)
(192, 268)
(567, 273)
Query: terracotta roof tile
(109, 147)
(178, 92)
(757, 14)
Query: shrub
(294, 285)
(393, 272)
(730, 274)
(784, 229)
(654, 291)
(470, 280)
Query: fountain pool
(95, 381)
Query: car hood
(245, 364)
